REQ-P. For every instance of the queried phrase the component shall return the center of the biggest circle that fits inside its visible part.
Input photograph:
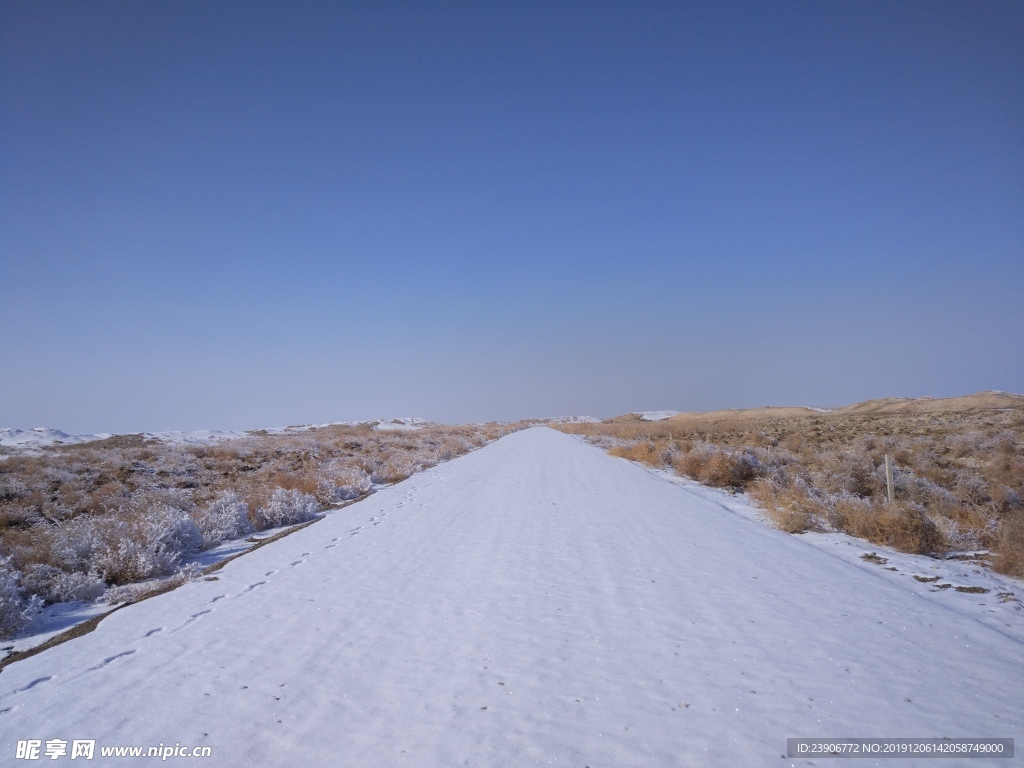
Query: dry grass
(959, 467)
(1010, 546)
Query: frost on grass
(128, 593)
(15, 607)
(339, 481)
(54, 585)
(115, 517)
(225, 518)
(286, 508)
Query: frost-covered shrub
(448, 448)
(128, 559)
(393, 469)
(719, 468)
(74, 543)
(793, 507)
(12, 488)
(53, 585)
(127, 593)
(15, 610)
(1010, 549)
(227, 517)
(970, 488)
(172, 526)
(342, 483)
(1006, 499)
(958, 537)
(143, 544)
(287, 507)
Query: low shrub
(129, 593)
(287, 507)
(792, 509)
(15, 609)
(392, 469)
(54, 585)
(339, 482)
(225, 518)
(645, 452)
(717, 468)
(902, 526)
(1010, 547)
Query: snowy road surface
(533, 602)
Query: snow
(195, 437)
(52, 620)
(39, 437)
(387, 425)
(533, 601)
(953, 581)
(42, 437)
(656, 415)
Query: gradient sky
(248, 214)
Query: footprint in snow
(110, 659)
(34, 683)
(218, 597)
(330, 545)
(297, 562)
(251, 587)
(190, 619)
(153, 632)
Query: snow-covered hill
(536, 601)
(656, 415)
(39, 437)
(44, 437)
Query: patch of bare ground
(959, 477)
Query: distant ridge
(43, 437)
(977, 401)
(881, 406)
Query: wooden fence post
(888, 477)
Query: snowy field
(29, 440)
(656, 415)
(533, 602)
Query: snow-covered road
(533, 602)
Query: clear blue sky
(246, 214)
